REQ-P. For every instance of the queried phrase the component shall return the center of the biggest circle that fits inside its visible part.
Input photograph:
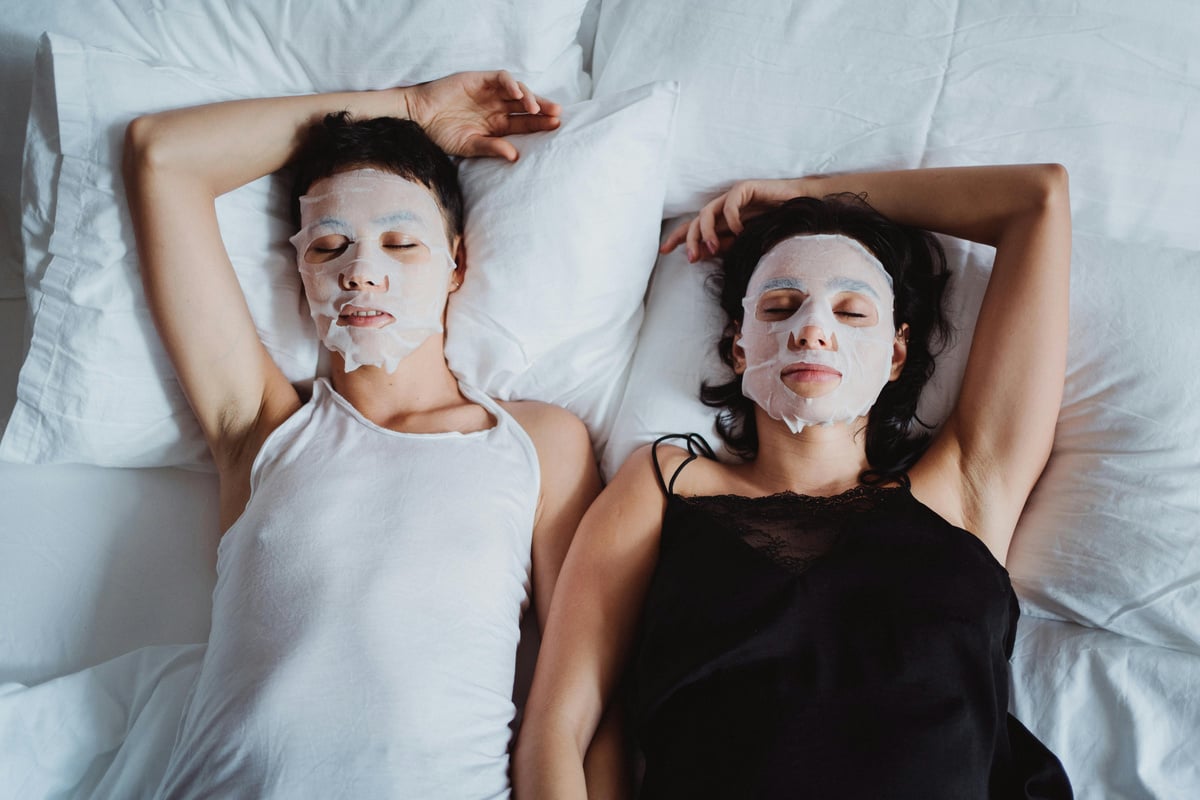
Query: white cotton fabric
(1122, 715)
(272, 47)
(366, 615)
(549, 309)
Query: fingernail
(691, 253)
(712, 246)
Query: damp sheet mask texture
(374, 260)
(799, 309)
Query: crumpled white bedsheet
(102, 732)
(1132, 713)
(1122, 715)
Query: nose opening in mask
(360, 278)
(812, 336)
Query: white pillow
(677, 351)
(96, 386)
(1108, 89)
(777, 88)
(282, 47)
(562, 245)
(1109, 537)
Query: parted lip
(807, 370)
(364, 317)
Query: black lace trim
(855, 496)
(792, 530)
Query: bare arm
(589, 632)
(178, 162)
(570, 483)
(981, 468)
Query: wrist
(810, 186)
(408, 105)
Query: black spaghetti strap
(694, 442)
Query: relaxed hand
(715, 227)
(469, 113)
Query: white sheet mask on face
(798, 311)
(373, 256)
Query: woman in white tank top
(383, 539)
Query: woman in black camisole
(830, 616)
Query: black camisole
(845, 647)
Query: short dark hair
(915, 260)
(401, 146)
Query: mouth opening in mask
(359, 317)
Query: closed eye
(401, 245)
(855, 309)
(779, 305)
(326, 248)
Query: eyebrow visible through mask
(852, 285)
(782, 283)
(399, 216)
(340, 226)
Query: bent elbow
(145, 148)
(1053, 184)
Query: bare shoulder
(635, 489)
(648, 473)
(569, 475)
(695, 472)
(561, 439)
(547, 423)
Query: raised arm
(981, 468)
(178, 162)
(589, 633)
(995, 444)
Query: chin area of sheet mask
(410, 284)
(822, 267)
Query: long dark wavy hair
(895, 437)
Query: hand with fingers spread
(469, 113)
(721, 219)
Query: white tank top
(366, 615)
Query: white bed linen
(1122, 715)
(103, 732)
(108, 567)
(286, 47)
(95, 563)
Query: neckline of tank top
(474, 395)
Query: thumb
(490, 146)
(675, 238)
